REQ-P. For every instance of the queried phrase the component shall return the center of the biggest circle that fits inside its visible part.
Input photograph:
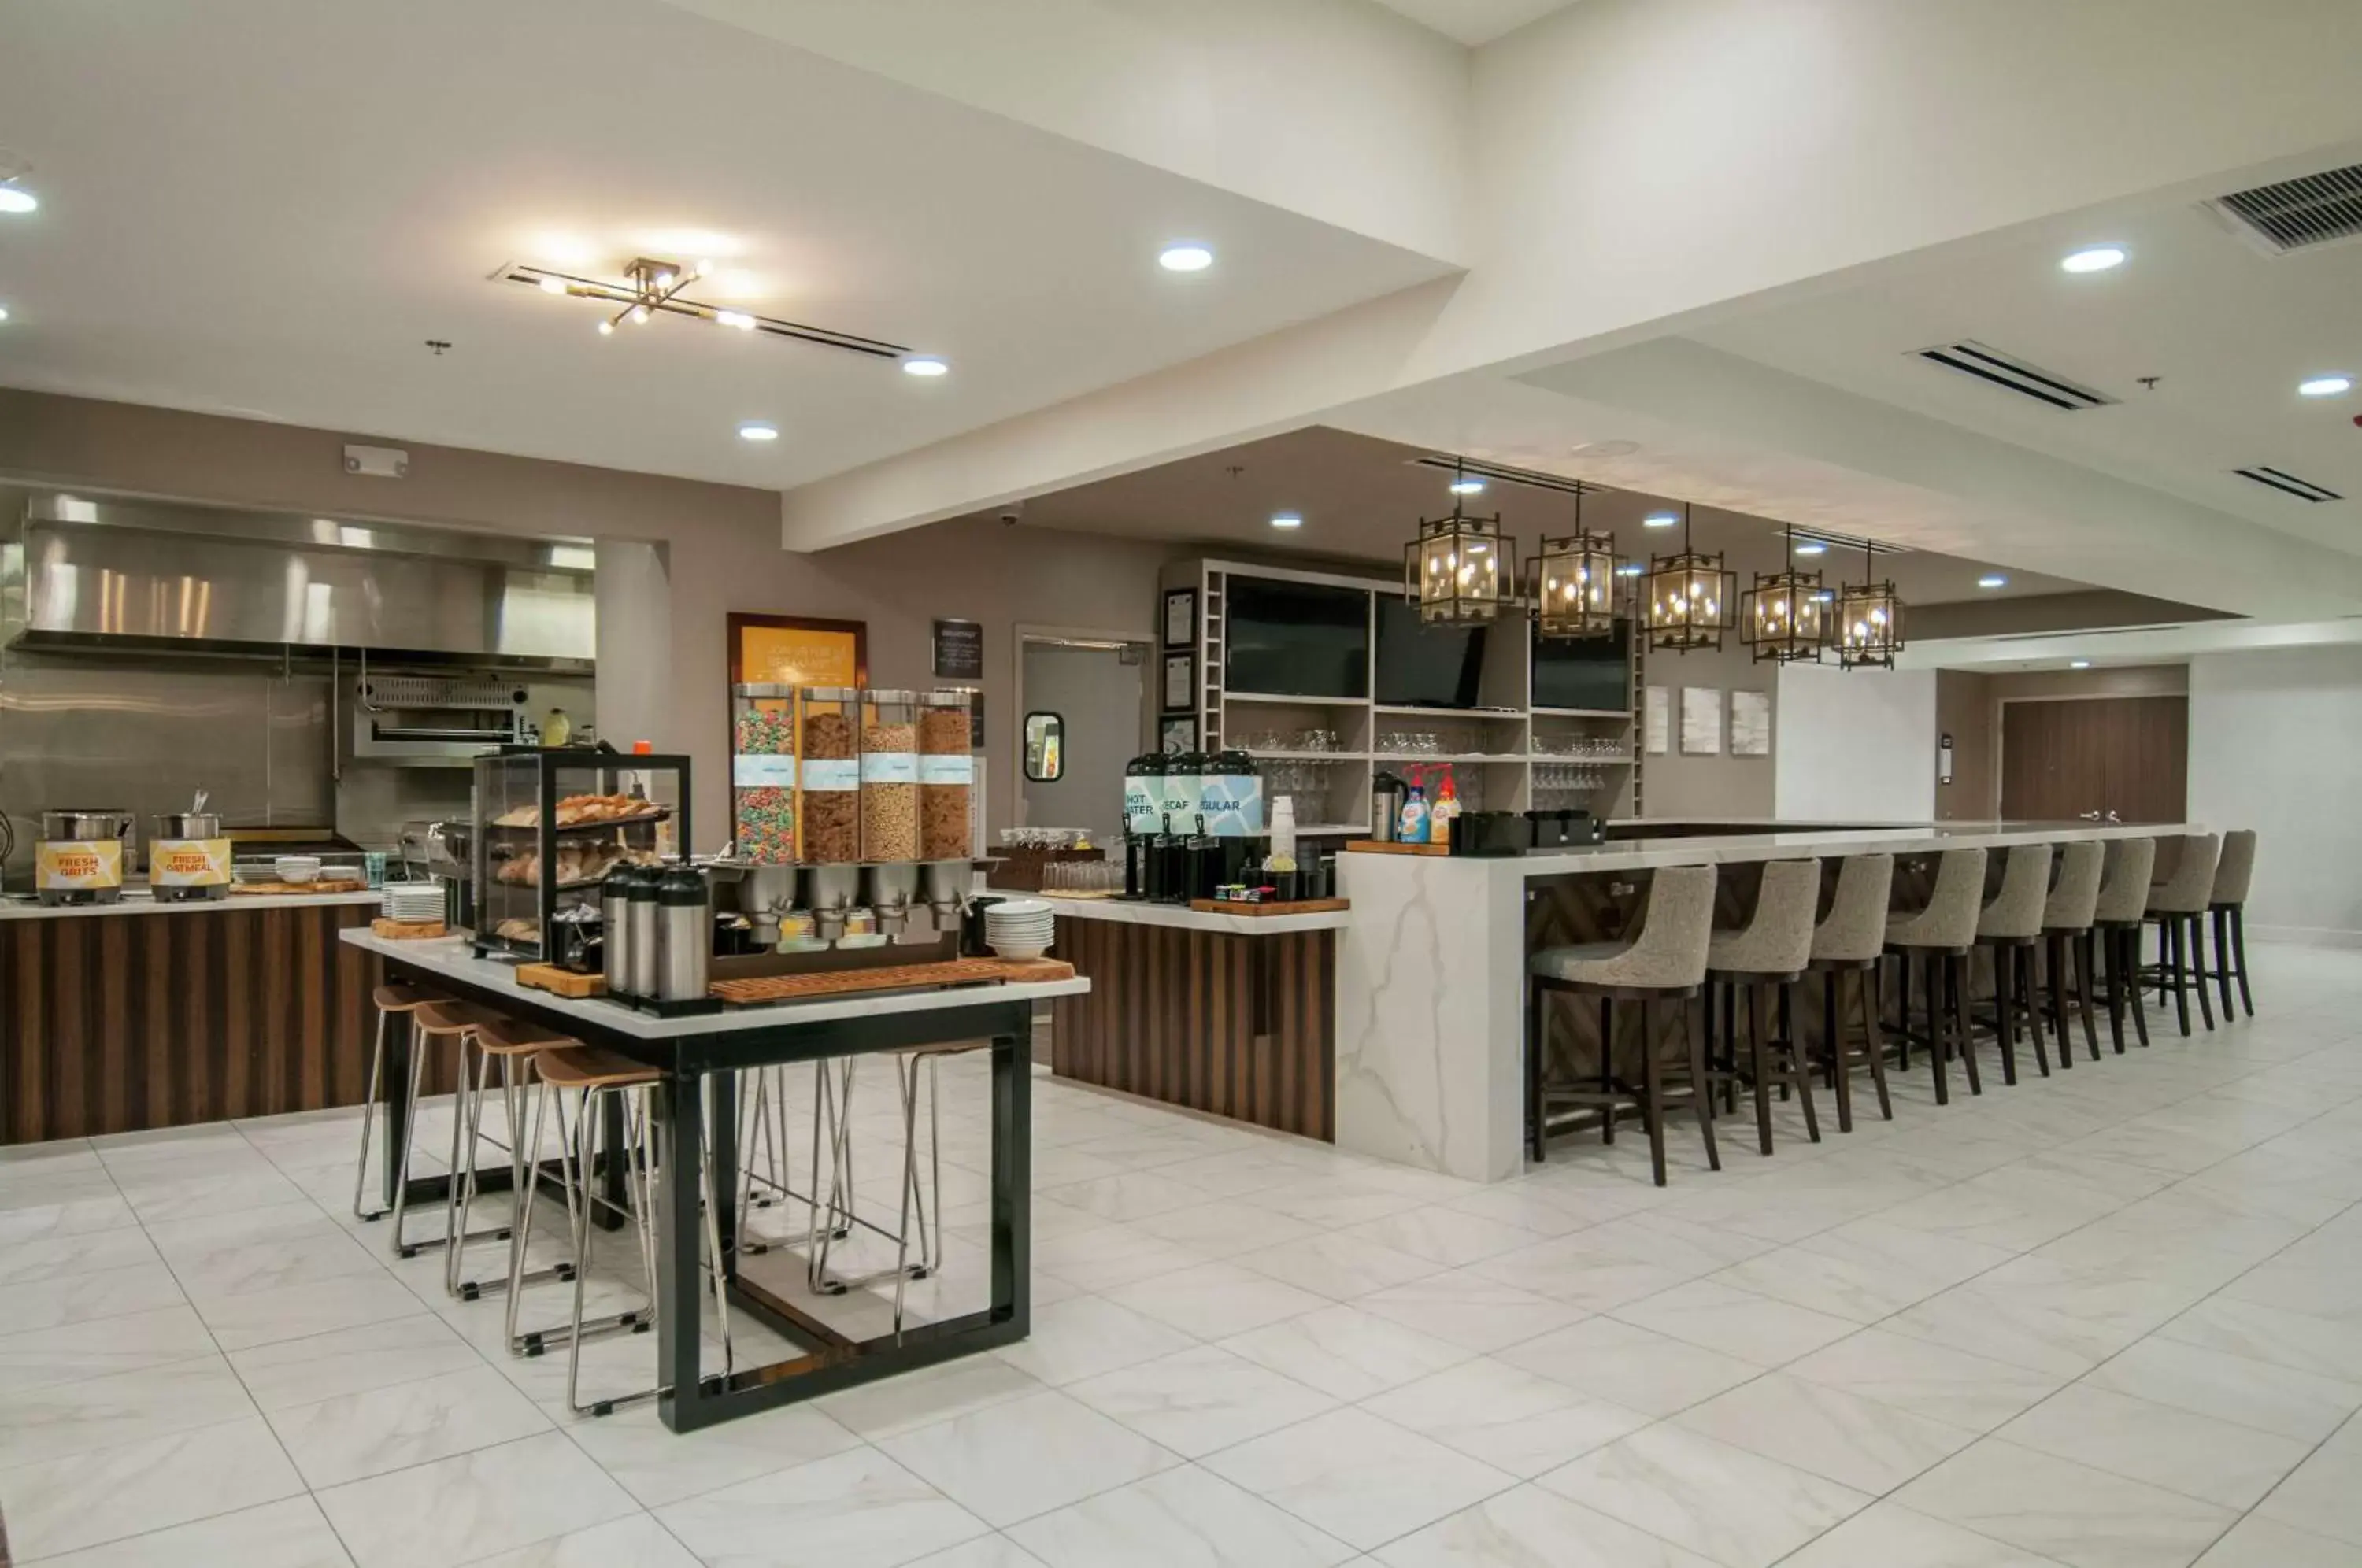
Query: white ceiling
(2227, 329)
(1474, 22)
(265, 207)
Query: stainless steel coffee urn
(615, 927)
(641, 955)
(684, 934)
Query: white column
(635, 689)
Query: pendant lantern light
(1460, 568)
(1688, 597)
(1870, 621)
(1785, 618)
(1572, 582)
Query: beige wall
(1719, 786)
(720, 544)
(1969, 704)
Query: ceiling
(2227, 329)
(282, 203)
(1474, 22)
(1360, 499)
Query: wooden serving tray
(1300, 906)
(408, 930)
(890, 978)
(1373, 846)
(284, 890)
(560, 982)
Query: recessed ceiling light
(3, 312)
(1812, 548)
(1467, 484)
(552, 285)
(737, 318)
(17, 199)
(2079, 663)
(1630, 569)
(1286, 520)
(2093, 259)
(755, 430)
(1185, 256)
(2326, 386)
(1660, 519)
(1992, 580)
(925, 366)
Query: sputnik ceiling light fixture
(652, 287)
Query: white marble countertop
(1181, 916)
(1725, 850)
(22, 906)
(451, 958)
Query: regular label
(890, 768)
(1231, 804)
(956, 768)
(831, 775)
(756, 772)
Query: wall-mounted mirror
(1045, 747)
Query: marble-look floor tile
(2270, 1333)
(81, 1299)
(1859, 1442)
(1104, 1256)
(636, 1540)
(1339, 1266)
(2259, 1542)
(1199, 1400)
(855, 1509)
(1215, 1300)
(167, 1198)
(984, 1551)
(2195, 1455)
(1011, 1461)
(1086, 1336)
(1927, 1379)
(1471, 1310)
(352, 1361)
(658, 1465)
(1888, 1535)
(1225, 1230)
(1134, 1195)
(1511, 1418)
(1345, 1352)
(63, 1258)
(101, 1347)
(1529, 1528)
(2324, 1496)
(933, 1393)
(1737, 1322)
(473, 1504)
(2087, 1518)
(1631, 1366)
(1446, 1237)
(54, 1506)
(350, 1436)
(128, 1407)
(241, 1322)
(47, 1189)
(1360, 1479)
(1183, 1518)
(80, 1217)
(289, 1534)
(1723, 1503)
(2237, 1388)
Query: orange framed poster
(795, 650)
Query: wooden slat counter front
(1233, 1015)
(125, 1017)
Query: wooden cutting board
(560, 982)
(284, 890)
(893, 977)
(1300, 906)
(408, 930)
(1373, 846)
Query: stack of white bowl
(1019, 928)
(414, 901)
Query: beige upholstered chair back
(1950, 920)
(2017, 910)
(1779, 939)
(2235, 869)
(1670, 948)
(2075, 896)
(1856, 928)
(2124, 885)
(2193, 877)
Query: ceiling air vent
(2296, 214)
(1526, 477)
(2288, 483)
(2000, 369)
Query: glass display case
(549, 823)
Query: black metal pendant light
(1572, 582)
(1688, 597)
(1785, 618)
(1870, 619)
(1460, 568)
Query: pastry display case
(549, 825)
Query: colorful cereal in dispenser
(763, 775)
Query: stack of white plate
(1018, 928)
(411, 902)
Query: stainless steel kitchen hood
(101, 572)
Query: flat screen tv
(1295, 639)
(1584, 672)
(1422, 665)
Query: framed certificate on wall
(1180, 617)
(1180, 680)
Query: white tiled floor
(2111, 1320)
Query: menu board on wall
(1701, 720)
(1750, 724)
(959, 650)
(1656, 720)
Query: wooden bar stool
(2228, 904)
(2009, 926)
(1942, 935)
(1849, 939)
(436, 1023)
(2178, 906)
(2066, 917)
(1664, 960)
(2117, 918)
(588, 1074)
(388, 1001)
(513, 1043)
(1772, 949)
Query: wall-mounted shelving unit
(1499, 750)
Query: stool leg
(1873, 1042)
(377, 1077)
(2129, 945)
(1903, 1011)
(1607, 1067)
(2116, 951)
(409, 1142)
(2086, 945)
(2174, 940)
(1759, 1062)
(2031, 984)
(1833, 1039)
(2223, 958)
(2239, 951)
(1534, 1072)
(1800, 1069)
(2196, 926)
(1701, 1085)
(1653, 1090)
(1937, 1060)
(2055, 960)
(2006, 960)
(523, 1236)
(1955, 981)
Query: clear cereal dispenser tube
(763, 773)
(946, 776)
(828, 737)
(890, 777)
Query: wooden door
(2067, 757)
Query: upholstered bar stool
(2178, 906)
(392, 1001)
(513, 1043)
(2228, 904)
(2066, 917)
(439, 1023)
(2117, 918)
(1941, 936)
(2009, 926)
(1849, 940)
(1664, 960)
(1770, 950)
